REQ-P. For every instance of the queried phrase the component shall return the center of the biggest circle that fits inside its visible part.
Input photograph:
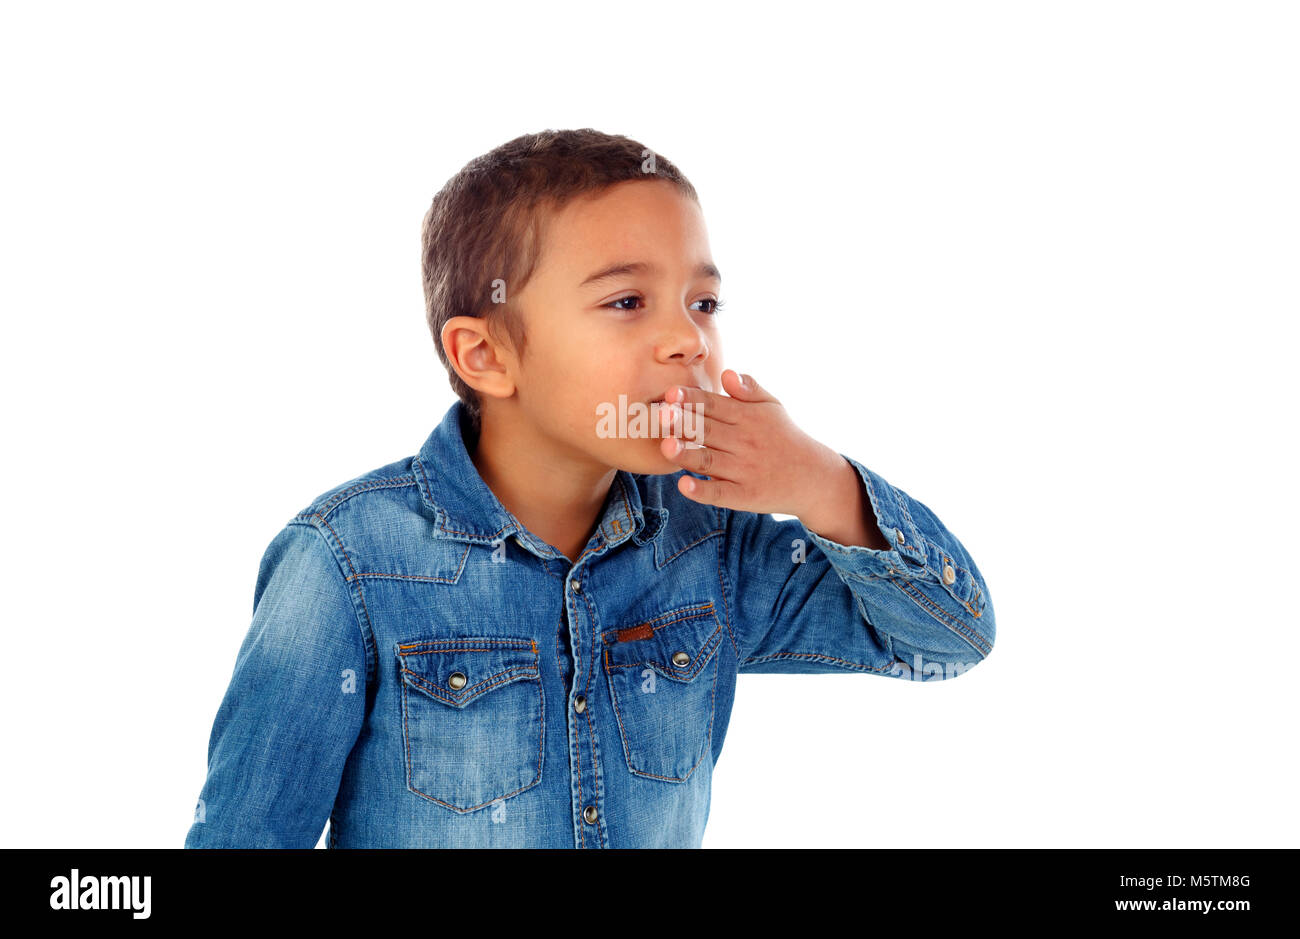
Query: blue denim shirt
(422, 671)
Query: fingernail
(746, 381)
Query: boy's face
(634, 333)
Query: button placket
(589, 814)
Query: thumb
(742, 386)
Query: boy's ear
(477, 358)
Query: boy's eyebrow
(705, 269)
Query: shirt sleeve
(805, 603)
(294, 706)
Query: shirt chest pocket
(471, 718)
(663, 675)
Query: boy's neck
(555, 493)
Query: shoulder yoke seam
(334, 501)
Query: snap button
(949, 575)
(589, 813)
(575, 586)
(898, 532)
(457, 680)
(580, 704)
(681, 659)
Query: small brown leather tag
(644, 631)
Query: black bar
(456, 889)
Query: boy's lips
(660, 399)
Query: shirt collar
(467, 510)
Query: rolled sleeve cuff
(895, 524)
(917, 554)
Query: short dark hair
(488, 221)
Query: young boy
(528, 633)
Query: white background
(1035, 263)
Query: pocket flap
(678, 644)
(459, 670)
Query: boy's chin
(645, 458)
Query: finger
(707, 402)
(706, 460)
(708, 491)
(698, 428)
(752, 391)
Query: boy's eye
(717, 304)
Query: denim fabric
(422, 671)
